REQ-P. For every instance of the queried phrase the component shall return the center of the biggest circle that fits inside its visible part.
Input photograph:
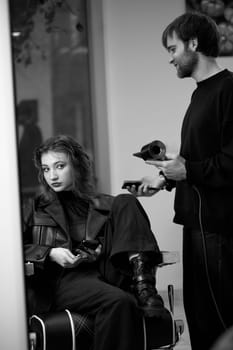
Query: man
(29, 135)
(202, 173)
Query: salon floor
(184, 342)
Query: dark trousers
(207, 285)
(102, 290)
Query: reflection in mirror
(52, 91)
(51, 68)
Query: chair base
(51, 330)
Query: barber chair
(68, 330)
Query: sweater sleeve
(217, 170)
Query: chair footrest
(169, 258)
(179, 326)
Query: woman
(89, 249)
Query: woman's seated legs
(118, 320)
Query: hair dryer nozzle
(137, 154)
(154, 150)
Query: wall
(98, 92)
(12, 301)
(145, 101)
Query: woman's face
(57, 170)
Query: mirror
(52, 80)
(52, 83)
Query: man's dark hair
(80, 161)
(195, 25)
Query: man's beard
(187, 64)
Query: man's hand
(173, 167)
(149, 186)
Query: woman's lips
(56, 184)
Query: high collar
(99, 202)
(97, 215)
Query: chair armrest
(29, 268)
(169, 258)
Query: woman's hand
(88, 255)
(149, 186)
(63, 257)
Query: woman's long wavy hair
(83, 185)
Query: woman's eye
(60, 166)
(45, 170)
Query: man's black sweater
(207, 146)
